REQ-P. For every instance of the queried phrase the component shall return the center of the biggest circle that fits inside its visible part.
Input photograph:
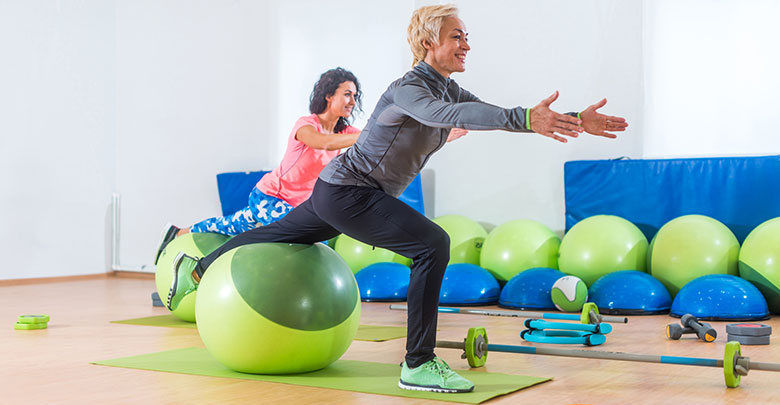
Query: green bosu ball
(278, 308)
(194, 244)
(359, 255)
(519, 245)
(759, 261)
(692, 246)
(600, 245)
(466, 238)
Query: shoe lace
(443, 369)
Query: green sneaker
(435, 376)
(182, 282)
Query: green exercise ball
(692, 246)
(602, 244)
(197, 244)
(466, 238)
(359, 255)
(278, 308)
(519, 245)
(759, 261)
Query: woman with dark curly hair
(314, 140)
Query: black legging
(375, 218)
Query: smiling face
(342, 101)
(449, 55)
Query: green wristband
(579, 118)
(528, 119)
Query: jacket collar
(432, 77)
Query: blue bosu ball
(468, 284)
(383, 282)
(530, 289)
(720, 297)
(630, 292)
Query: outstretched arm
(547, 122)
(596, 123)
(315, 140)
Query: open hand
(596, 123)
(547, 122)
(456, 133)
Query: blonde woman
(356, 192)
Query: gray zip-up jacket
(411, 121)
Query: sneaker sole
(431, 388)
(165, 239)
(175, 279)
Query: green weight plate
(33, 319)
(729, 361)
(28, 326)
(475, 345)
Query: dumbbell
(690, 324)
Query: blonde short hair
(425, 24)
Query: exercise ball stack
(602, 244)
(278, 308)
(466, 238)
(359, 255)
(759, 261)
(197, 244)
(519, 245)
(689, 247)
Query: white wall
(194, 98)
(711, 78)
(522, 51)
(56, 136)
(154, 98)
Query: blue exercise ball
(630, 292)
(468, 284)
(530, 289)
(720, 297)
(386, 281)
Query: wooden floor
(52, 365)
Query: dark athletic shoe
(182, 282)
(168, 234)
(435, 376)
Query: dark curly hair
(326, 86)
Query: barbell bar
(476, 348)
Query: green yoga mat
(347, 375)
(371, 333)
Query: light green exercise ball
(600, 245)
(278, 308)
(692, 246)
(759, 261)
(197, 244)
(519, 245)
(466, 238)
(359, 255)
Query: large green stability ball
(359, 255)
(278, 308)
(194, 244)
(519, 245)
(692, 246)
(759, 261)
(602, 244)
(466, 238)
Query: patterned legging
(261, 211)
